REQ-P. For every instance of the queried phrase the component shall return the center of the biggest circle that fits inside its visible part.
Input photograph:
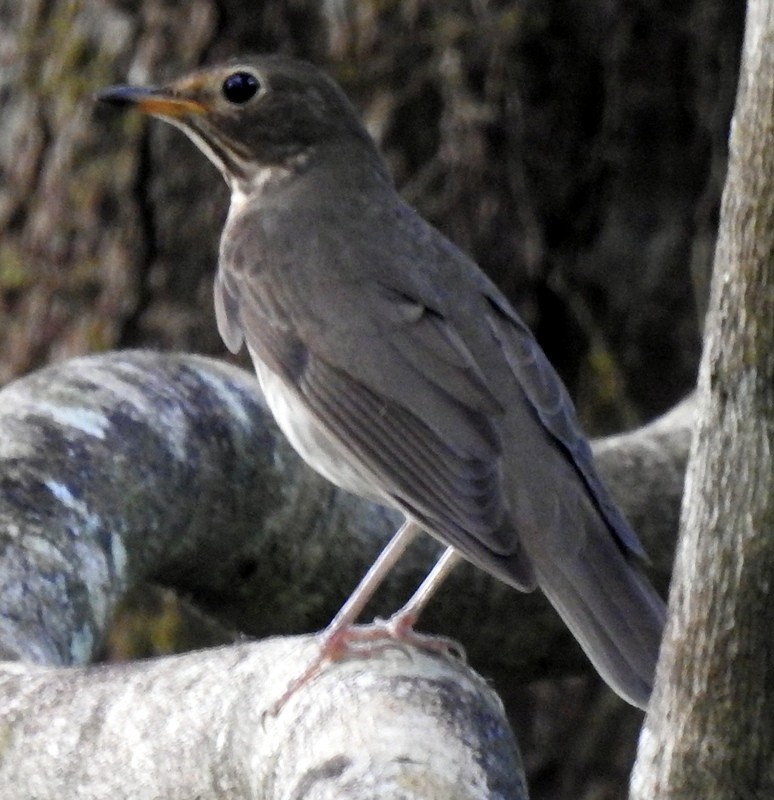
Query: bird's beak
(158, 102)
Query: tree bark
(710, 729)
(200, 725)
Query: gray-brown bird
(396, 368)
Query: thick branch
(133, 466)
(196, 726)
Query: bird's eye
(240, 87)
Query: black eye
(240, 87)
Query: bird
(397, 369)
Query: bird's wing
(391, 380)
(553, 406)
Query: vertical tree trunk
(710, 731)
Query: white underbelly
(324, 453)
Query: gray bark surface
(196, 725)
(710, 728)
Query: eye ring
(239, 87)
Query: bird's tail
(611, 608)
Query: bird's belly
(325, 454)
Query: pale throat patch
(243, 190)
(261, 179)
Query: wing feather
(556, 412)
(432, 446)
(409, 459)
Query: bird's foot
(400, 629)
(365, 641)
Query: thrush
(396, 368)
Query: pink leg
(341, 638)
(371, 581)
(337, 637)
(402, 621)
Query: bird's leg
(341, 636)
(370, 582)
(401, 623)
(399, 628)
(336, 638)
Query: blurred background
(576, 149)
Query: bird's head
(252, 114)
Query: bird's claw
(365, 641)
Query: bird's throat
(262, 181)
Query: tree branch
(126, 467)
(196, 726)
(133, 466)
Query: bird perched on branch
(397, 369)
